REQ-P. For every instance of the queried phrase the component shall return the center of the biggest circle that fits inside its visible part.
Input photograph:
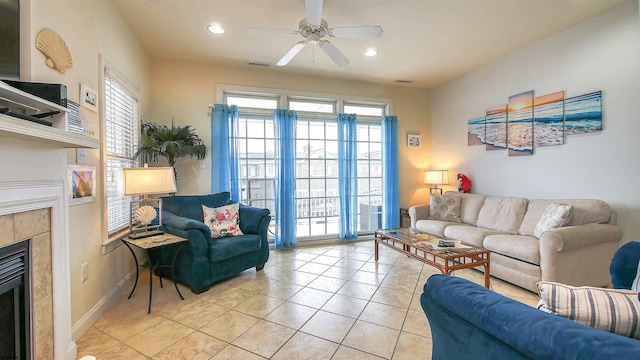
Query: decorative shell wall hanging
(53, 47)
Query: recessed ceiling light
(371, 52)
(216, 29)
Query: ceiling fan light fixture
(371, 52)
(216, 29)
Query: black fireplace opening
(15, 298)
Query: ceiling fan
(313, 28)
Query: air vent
(404, 81)
(255, 63)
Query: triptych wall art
(526, 121)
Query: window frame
(110, 238)
(285, 96)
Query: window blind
(121, 142)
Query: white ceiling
(426, 41)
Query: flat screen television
(10, 39)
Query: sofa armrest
(469, 321)
(250, 218)
(418, 212)
(182, 223)
(197, 232)
(577, 237)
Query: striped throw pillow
(612, 310)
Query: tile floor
(330, 302)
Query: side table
(404, 213)
(152, 246)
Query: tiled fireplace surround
(36, 210)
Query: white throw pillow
(635, 285)
(446, 208)
(555, 216)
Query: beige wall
(600, 54)
(89, 28)
(184, 91)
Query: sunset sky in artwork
(521, 101)
(497, 110)
(549, 98)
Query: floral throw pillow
(223, 221)
(446, 208)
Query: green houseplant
(170, 142)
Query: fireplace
(15, 301)
(37, 210)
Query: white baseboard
(90, 318)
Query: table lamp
(435, 178)
(145, 181)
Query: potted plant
(170, 142)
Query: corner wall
(602, 53)
(89, 28)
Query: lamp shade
(436, 177)
(149, 180)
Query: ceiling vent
(256, 63)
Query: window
(120, 142)
(316, 159)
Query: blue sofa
(469, 321)
(204, 261)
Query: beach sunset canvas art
(583, 114)
(548, 119)
(520, 124)
(496, 128)
(475, 132)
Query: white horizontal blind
(121, 142)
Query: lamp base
(145, 234)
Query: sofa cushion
(223, 220)
(189, 206)
(470, 207)
(468, 234)
(227, 247)
(445, 208)
(434, 227)
(555, 216)
(584, 211)
(502, 213)
(525, 248)
(615, 311)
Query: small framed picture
(88, 98)
(82, 183)
(414, 141)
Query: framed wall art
(88, 98)
(414, 141)
(82, 183)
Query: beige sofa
(576, 254)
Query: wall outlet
(81, 156)
(84, 272)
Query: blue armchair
(204, 261)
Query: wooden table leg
(487, 274)
(376, 242)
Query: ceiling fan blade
(314, 11)
(272, 31)
(291, 54)
(357, 31)
(334, 53)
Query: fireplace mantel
(25, 130)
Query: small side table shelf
(404, 214)
(151, 245)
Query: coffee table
(424, 247)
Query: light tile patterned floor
(330, 302)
